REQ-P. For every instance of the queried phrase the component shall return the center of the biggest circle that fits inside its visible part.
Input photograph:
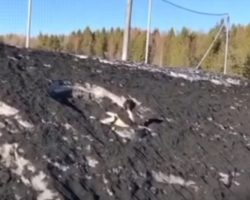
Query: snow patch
(47, 65)
(106, 61)
(130, 115)
(128, 133)
(57, 165)
(233, 133)
(18, 164)
(75, 138)
(233, 81)
(224, 178)
(2, 125)
(109, 120)
(23, 123)
(180, 75)
(88, 177)
(68, 126)
(91, 91)
(65, 139)
(172, 179)
(236, 183)
(105, 181)
(81, 56)
(110, 193)
(99, 93)
(216, 82)
(92, 162)
(7, 110)
(187, 74)
(170, 120)
(88, 148)
(232, 108)
(192, 75)
(17, 197)
(92, 117)
(41, 186)
(114, 119)
(12, 58)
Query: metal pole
(126, 37)
(148, 31)
(227, 24)
(29, 24)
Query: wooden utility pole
(126, 35)
(29, 24)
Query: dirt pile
(119, 131)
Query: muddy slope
(55, 150)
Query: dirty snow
(127, 133)
(224, 178)
(12, 58)
(23, 123)
(7, 110)
(99, 93)
(68, 126)
(185, 73)
(92, 162)
(56, 164)
(18, 164)
(81, 56)
(172, 179)
(47, 65)
(114, 118)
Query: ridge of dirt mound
(80, 128)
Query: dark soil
(204, 135)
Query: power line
(217, 35)
(194, 11)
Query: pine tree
(168, 47)
(43, 41)
(87, 42)
(100, 43)
(155, 47)
(138, 46)
(184, 48)
(246, 68)
(112, 44)
(118, 42)
(1, 39)
(192, 49)
(54, 43)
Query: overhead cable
(194, 11)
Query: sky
(65, 16)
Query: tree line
(184, 48)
